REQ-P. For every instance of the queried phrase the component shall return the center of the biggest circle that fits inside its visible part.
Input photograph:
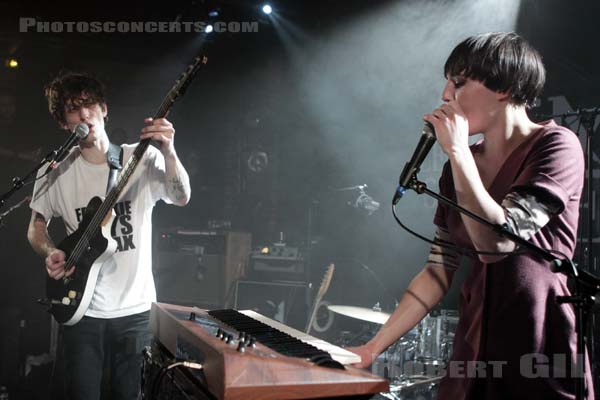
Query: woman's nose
(448, 92)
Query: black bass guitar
(91, 244)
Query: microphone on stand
(80, 132)
(412, 167)
(365, 202)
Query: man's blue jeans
(90, 341)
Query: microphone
(412, 167)
(365, 202)
(80, 132)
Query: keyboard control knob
(241, 347)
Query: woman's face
(480, 104)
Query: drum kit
(417, 361)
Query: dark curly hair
(67, 88)
(503, 62)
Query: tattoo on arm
(177, 188)
(37, 235)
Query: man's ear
(503, 96)
(104, 109)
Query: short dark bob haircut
(503, 62)
(67, 88)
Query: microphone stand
(577, 113)
(365, 267)
(18, 183)
(378, 281)
(587, 117)
(587, 285)
(25, 199)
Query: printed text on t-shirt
(121, 229)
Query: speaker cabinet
(199, 268)
(282, 301)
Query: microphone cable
(459, 249)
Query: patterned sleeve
(526, 214)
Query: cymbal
(364, 314)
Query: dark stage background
(332, 92)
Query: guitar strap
(114, 158)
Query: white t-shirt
(125, 284)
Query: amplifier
(285, 302)
(198, 268)
(277, 262)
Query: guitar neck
(176, 91)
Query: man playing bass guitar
(115, 325)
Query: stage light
(213, 13)
(267, 9)
(258, 161)
(12, 63)
(208, 29)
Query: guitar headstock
(180, 86)
(327, 277)
(186, 77)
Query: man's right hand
(55, 265)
